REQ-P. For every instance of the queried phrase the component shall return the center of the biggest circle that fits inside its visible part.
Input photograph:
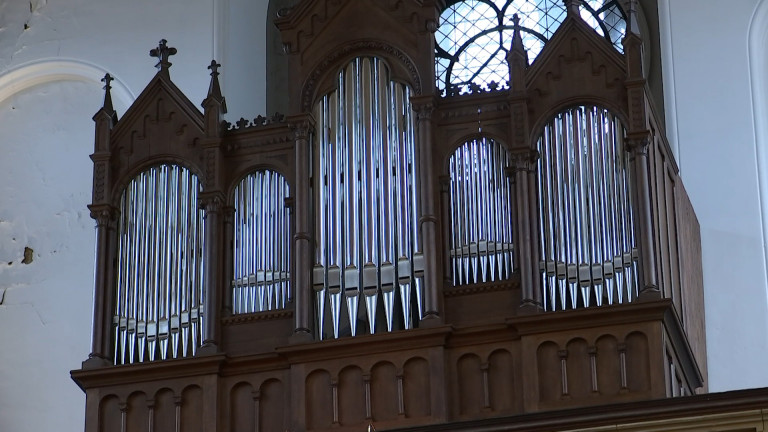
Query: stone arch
(45, 71)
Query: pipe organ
(481, 241)
(158, 310)
(588, 248)
(261, 256)
(368, 243)
(453, 222)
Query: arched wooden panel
(109, 414)
(241, 408)
(138, 414)
(500, 380)
(165, 411)
(384, 392)
(192, 409)
(271, 406)
(470, 376)
(579, 370)
(318, 403)
(351, 396)
(547, 363)
(638, 364)
(416, 388)
(608, 366)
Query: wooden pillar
(639, 144)
(302, 238)
(638, 147)
(105, 216)
(428, 222)
(212, 206)
(103, 299)
(228, 214)
(526, 229)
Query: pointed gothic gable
(319, 35)
(576, 66)
(160, 123)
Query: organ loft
(468, 216)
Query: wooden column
(526, 230)
(106, 217)
(103, 299)
(302, 238)
(226, 296)
(212, 205)
(638, 147)
(428, 222)
(638, 144)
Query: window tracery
(474, 36)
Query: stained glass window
(474, 37)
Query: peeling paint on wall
(28, 255)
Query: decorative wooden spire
(107, 107)
(214, 89)
(163, 52)
(214, 104)
(633, 44)
(572, 6)
(517, 58)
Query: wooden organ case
(414, 244)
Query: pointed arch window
(262, 243)
(368, 272)
(480, 197)
(474, 36)
(159, 296)
(588, 250)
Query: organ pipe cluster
(159, 297)
(481, 237)
(589, 257)
(367, 241)
(262, 243)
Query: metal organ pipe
(481, 244)
(367, 250)
(261, 243)
(159, 283)
(588, 248)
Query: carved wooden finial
(214, 88)
(572, 6)
(163, 52)
(107, 106)
(214, 67)
(214, 105)
(632, 26)
(517, 39)
(517, 58)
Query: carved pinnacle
(107, 80)
(163, 52)
(107, 106)
(214, 67)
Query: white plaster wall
(705, 46)
(52, 55)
